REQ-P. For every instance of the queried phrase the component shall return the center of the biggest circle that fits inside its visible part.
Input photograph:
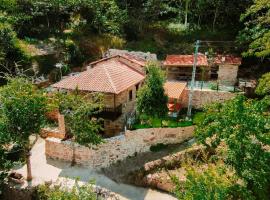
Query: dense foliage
(22, 113)
(41, 17)
(84, 192)
(263, 87)
(257, 29)
(244, 127)
(11, 52)
(151, 99)
(80, 114)
(211, 181)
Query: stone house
(179, 67)
(118, 78)
(222, 68)
(227, 68)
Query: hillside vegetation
(46, 32)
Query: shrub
(85, 192)
(213, 182)
(198, 118)
(80, 114)
(158, 147)
(176, 28)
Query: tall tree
(256, 33)
(244, 127)
(263, 88)
(151, 99)
(22, 112)
(80, 113)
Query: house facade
(228, 66)
(118, 78)
(221, 68)
(179, 67)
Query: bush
(158, 147)
(11, 50)
(176, 28)
(198, 118)
(85, 192)
(213, 181)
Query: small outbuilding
(176, 92)
(179, 67)
(227, 68)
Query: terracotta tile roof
(174, 89)
(185, 60)
(111, 76)
(227, 59)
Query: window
(130, 95)
(137, 87)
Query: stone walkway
(51, 170)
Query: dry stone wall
(202, 98)
(116, 148)
(227, 74)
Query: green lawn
(156, 123)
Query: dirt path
(51, 170)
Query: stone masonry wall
(112, 128)
(116, 148)
(227, 74)
(203, 97)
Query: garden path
(52, 170)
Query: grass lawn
(156, 123)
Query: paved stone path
(51, 170)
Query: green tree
(213, 181)
(5, 164)
(10, 49)
(263, 88)
(41, 18)
(256, 33)
(22, 112)
(244, 127)
(80, 113)
(151, 99)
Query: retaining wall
(116, 148)
(201, 98)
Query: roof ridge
(130, 67)
(109, 78)
(125, 56)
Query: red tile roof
(174, 89)
(109, 76)
(185, 60)
(227, 59)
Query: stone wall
(56, 132)
(203, 97)
(113, 127)
(116, 148)
(140, 54)
(227, 74)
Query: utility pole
(193, 79)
